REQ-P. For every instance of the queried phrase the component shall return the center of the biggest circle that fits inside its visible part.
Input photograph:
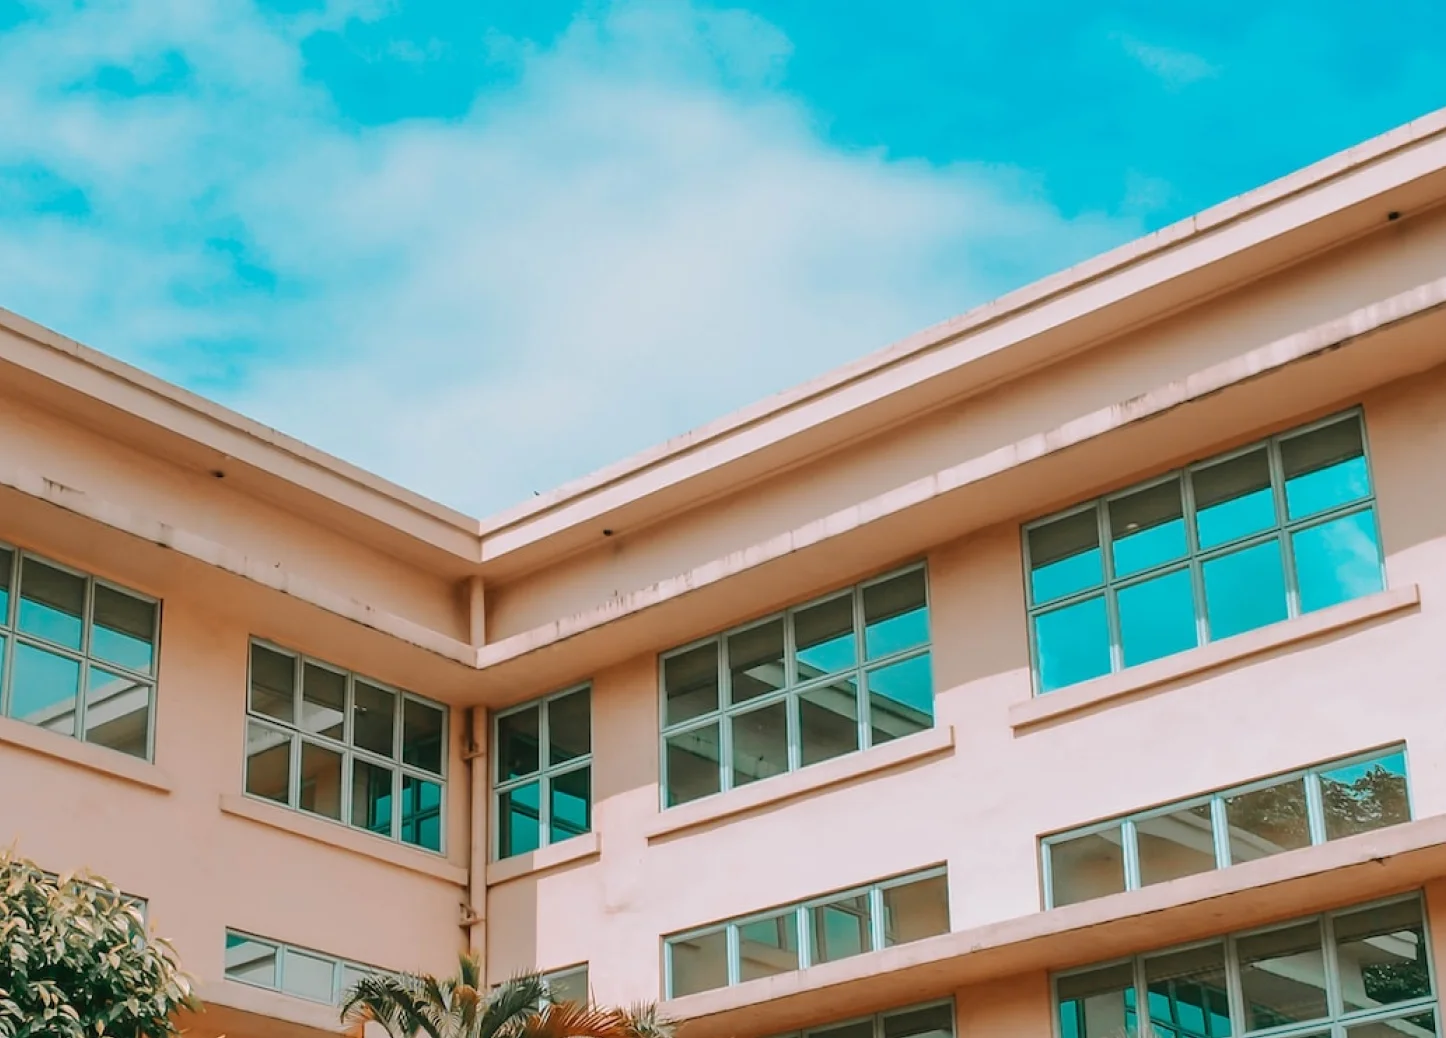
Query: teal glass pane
(571, 805)
(421, 813)
(7, 563)
(1233, 499)
(767, 947)
(43, 689)
(52, 603)
(1357, 798)
(371, 797)
(901, 698)
(123, 629)
(117, 711)
(519, 821)
(823, 636)
(1099, 1003)
(760, 743)
(1147, 528)
(519, 742)
(1244, 590)
(1324, 468)
(896, 615)
(1064, 557)
(1157, 617)
(755, 661)
(1186, 989)
(828, 720)
(1337, 561)
(692, 764)
(1073, 644)
(840, 928)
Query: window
(825, 929)
(1272, 531)
(934, 1020)
(295, 971)
(77, 654)
(1362, 972)
(340, 746)
(1282, 813)
(569, 985)
(836, 675)
(543, 780)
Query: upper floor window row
(77, 654)
(839, 674)
(1249, 538)
(542, 787)
(332, 743)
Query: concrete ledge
(934, 742)
(1050, 706)
(554, 856)
(231, 1007)
(83, 754)
(335, 834)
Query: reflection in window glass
(1064, 557)
(251, 961)
(299, 972)
(1267, 821)
(371, 797)
(124, 629)
(768, 946)
(519, 743)
(422, 735)
(755, 661)
(698, 963)
(568, 986)
(1073, 644)
(1381, 956)
(1147, 528)
(1097, 1004)
(1360, 797)
(7, 566)
(321, 769)
(901, 699)
(840, 928)
(543, 789)
(1244, 590)
(1233, 499)
(690, 683)
(117, 711)
(1324, 468)
(1408, 1025)
(1337, 560)
(824, 636)
(1187, 993)
(1180, 843)
(569, 726)
(309, 976)
(760, 743)
(323, 700)
(268, 763)
(519, 820)
(373, 718)
(421, 813)
(571, 813)
(1282, 976)
(52, 603)
(692, 762)
(1157, 617)
(828, 720)
(896, 615)
(273, 684)
(44, 687)
(916, 909)
(930, 1022)
(1086, 867)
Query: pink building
(1064, 669)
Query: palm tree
(408, 1005)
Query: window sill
(935, 742)
(1089, 694)
(544, 859)
(223, 1000)
(336, 835)
(83, 754)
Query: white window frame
(546, 772)
(283, 949)
(878, 1019)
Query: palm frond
(644, 1021)
(572, 1020)
(396, 1001)
(511, 1003)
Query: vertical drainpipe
(474, 912)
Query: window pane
(350, 975)
(828, 720)
(519, 740)
(1064, 557)
(933, 1022)
(1381, 955)
(755, 661)
(692, 759)
(323, 701)
(690, 683)
(1366, 796)
(857, 1029)
(913, 911)
(1324, 468)
(268, 763)
(1267, 821)
(7, 561)
(308, 976)
(1282, 976)
(124, 629)
(1086, 867)
(571, 804)
(823, 636)
(421, 813)
(1337, 561)
(43, 688)
(1181, 843)
(371, 797)
(569, 726)
(1413, 1025)
(768, 946)
(117, 711)
(519, 821)
(896, 615)
(1147, 528)
(52, 603)
(698, 963)
(840, 928)
(901, 699)
(1157, 617)
(374, 715)
(760, 744)
(570, 986)
(422, 728)
(1233, 499)
(1098, 1004)
(1073, 644)
(1187, 990)
(1244, 590)
(252, 962)
(320, 780)
(273, 684)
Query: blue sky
(483, 248)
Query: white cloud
(640, 234)
(1176, 68)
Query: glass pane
(571, 804)
(570, 986)
(268, 763)
(1337, 561)
(857, 1029)
(1086, 867)
(117, 711)
(1282, 976)
(273, 684)
(519, 821)
(421, 813)
(124, 629)
(768, 946)
(1267, 821)
(840, 928)
(350, 975)
(1244, 590)
(320, 780)
(1187, 990)
(1361, 797)
(698, 963)
(690, 684)
(1181, 843)
(7, 562)
(569, 726)
(251, 962)
(1148, 528)
(1233, 499)
(43, 689)
(371, 797)
(823, 636)
(323, 701)
(896, 615)
(373, 720)
(1324, 468)
(1064, 557)
(901, 699)
(1413, 1025)
(308, 976)
(422, 728)
(828, 720)
(913, 911)
(52, 603)
(692, 759)
(1381, 955)
(760, 744)
(1073, 644)
(932, 1022)
(1098, 1004)
(755, 661)
(1157, 617)
(519, 738)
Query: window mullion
(735, 954)
(1220, 825)
(1315, 808)
(878, 929)
(1287, 552)
(1335, 1004)
(544, 779)
(1234, 992)
(1107, 569)
(1130, 850)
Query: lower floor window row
(932, 1020)
(293, 971)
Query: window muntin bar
(832, 676)
(1224, 546)
(300, 972)
(340, 746)
(542, 780)
(1283, 812)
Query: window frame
(339, 964)
(546, 772)
(877, 1019)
